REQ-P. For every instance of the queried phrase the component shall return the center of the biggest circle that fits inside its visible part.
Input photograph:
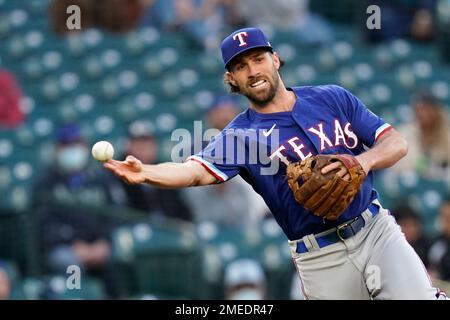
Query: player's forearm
(175, 175)
(387, 151)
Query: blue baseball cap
(241, 41)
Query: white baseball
(102, 151)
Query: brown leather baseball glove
(325, 195)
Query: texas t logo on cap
(243, 40)
(240, 36)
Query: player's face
(256, 75)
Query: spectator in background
(412, 227)
(428, 138)
(192, 17)
(164, 203)
(234, 202)
(58, 15)
(439, 255)
(402, 19)
(117, 16)
(111, 15)
(10, 114)
(245, 280)
(5, 283)
(443, 19)
(67, 199)
(287, 15)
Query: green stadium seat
(383, 57)
(17, 239)
(95, 38)
(69, 81)
(104, 126)
(5, 27)
(18, 18)
(16, 47)
(111, 58)
(430, 195)
(326, 60)
(6, 148)
(110, 89)
(343, 51)
(90, 289)
(84, 102)
(133, 44)
(400, 49)
(33, 69)
(150, 37)
(37, 8)
(209, 64)
(93, 68)
(51, 90)
(126, 110)
(128, 79)
(164, 261)
(423, 194)
(52, 60)
(74, 46)
(441, 89)
(29, 289)
(152, 67)
(34, 39)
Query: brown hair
(234, 89)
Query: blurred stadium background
(103, 80)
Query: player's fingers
(110, 166)
(114, 162)
(130, 159)
(110, 163)
(346, 177)
(330, 167)
(132, 162)
(342, 172)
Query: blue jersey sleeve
(366, 124)
(219, 157)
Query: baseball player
(362, 253)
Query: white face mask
(72, 158)
(247, 294)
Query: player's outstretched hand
(130, 170)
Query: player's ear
(228, 78)
(276, 60)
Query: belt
(341, 232)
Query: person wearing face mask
(65, 198)
(245, 280)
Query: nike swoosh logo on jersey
(267, 133)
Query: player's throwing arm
(166, 175)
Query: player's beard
(263, 96)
